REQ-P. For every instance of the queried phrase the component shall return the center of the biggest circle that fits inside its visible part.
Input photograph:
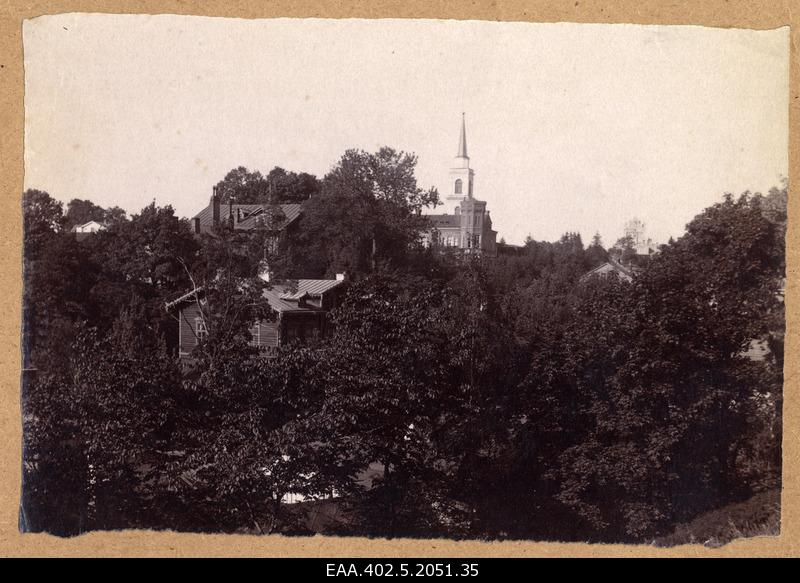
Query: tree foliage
(243, 186)
(366, 214)
(80, 212)
(456, 396)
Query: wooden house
(86, 229)
(272, 217)
(300, 307)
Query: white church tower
(461, 220)
(461, 177)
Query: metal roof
(282, 297)
(285, 297)
(311, 287)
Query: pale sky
(570, 127)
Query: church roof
(445, 221)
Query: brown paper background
(757, 14)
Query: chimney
(341, 276)
(197, 225)
(215, 206)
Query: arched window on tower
(459, 186)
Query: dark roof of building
(445, 221)
(250, 216)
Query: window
(200, 331)
(459, 186)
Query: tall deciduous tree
(99, 441)
(244, 186)
(290, 187)
(80, 212)
(367, 214)
(149, 249)
(644, 392)
(42, 217)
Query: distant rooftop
(250, 216)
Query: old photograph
(430, 279)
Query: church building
(463, 222)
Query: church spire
(462, 139)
